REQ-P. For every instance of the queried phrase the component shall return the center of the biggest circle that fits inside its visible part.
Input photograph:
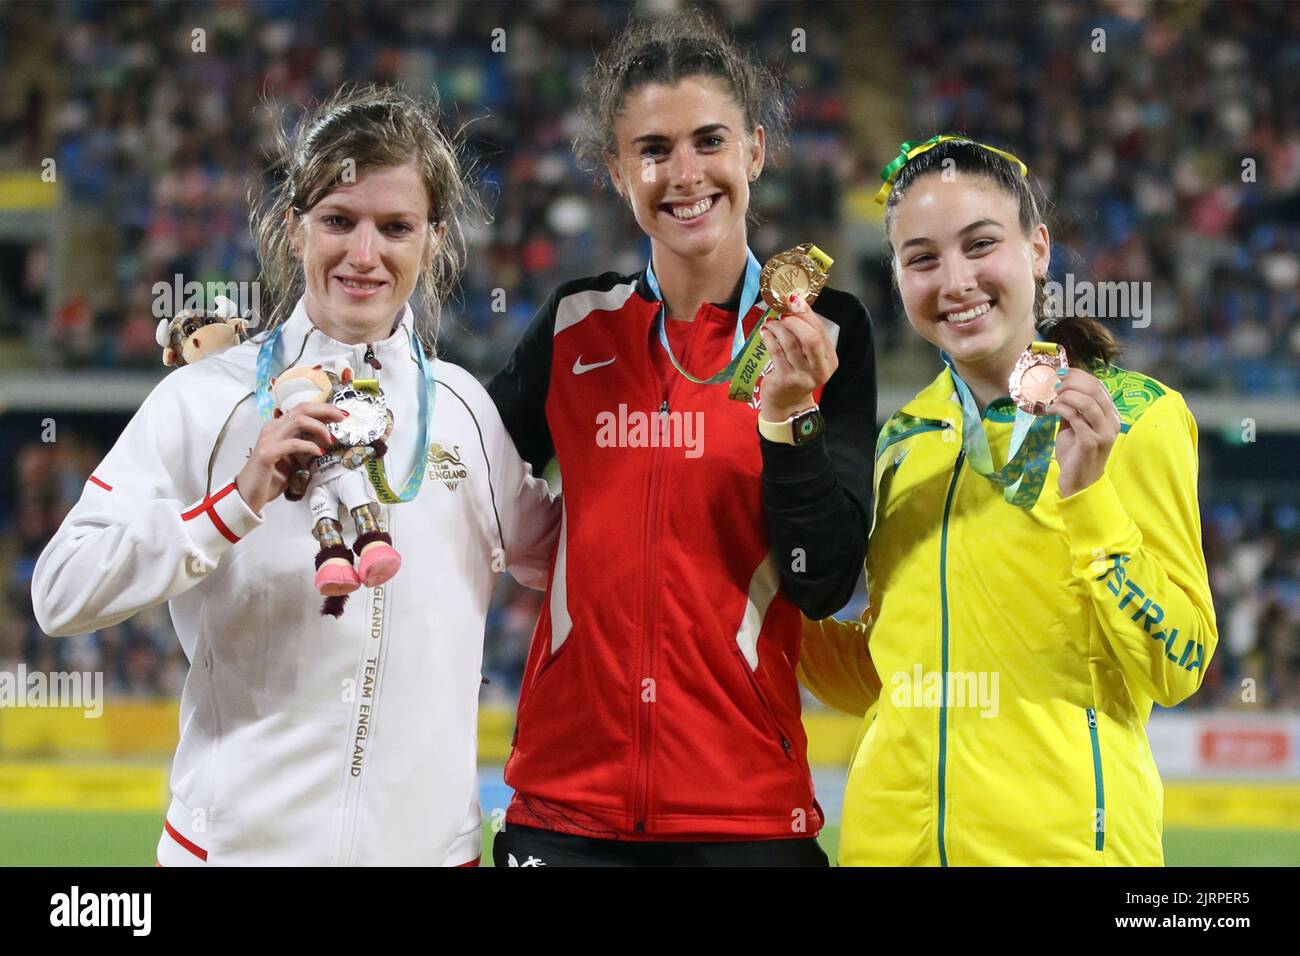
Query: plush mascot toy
(338, 478)
(193, 335)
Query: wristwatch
(799, 429)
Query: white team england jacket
(305, 739)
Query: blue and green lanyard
(739, 344)
(1033, 439)
(374, 467)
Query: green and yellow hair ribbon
(909, 151)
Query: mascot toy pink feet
(334, 580)
(379, 562)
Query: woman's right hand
(282, 446)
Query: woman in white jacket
(308, 739)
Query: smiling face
(965, 270)
(363, 248)
(685, 163)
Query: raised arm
(817, 496)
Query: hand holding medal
(1043, 384)
(802, 356)
(803, 359)
(1090, 424)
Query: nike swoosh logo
(579, 368)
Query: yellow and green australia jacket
(1009, 658)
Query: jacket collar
(937, 401)
(299, 329)
(717, 311)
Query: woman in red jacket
(659, 718)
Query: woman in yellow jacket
(1024, 616)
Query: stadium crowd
(1171, 153)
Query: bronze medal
(1033, 380)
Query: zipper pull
(370, 357)
(663, 409)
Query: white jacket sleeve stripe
(208, 506)
(131, 542)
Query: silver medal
(368, 421)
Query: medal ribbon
(375, 466)
(746, 353)
(1033, 438)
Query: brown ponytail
(1088, 344)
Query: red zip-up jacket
(659, 701)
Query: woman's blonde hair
(359, 129)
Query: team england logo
(446, 466)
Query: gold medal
(799, 271)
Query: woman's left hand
(1089, 426)
(803, 360)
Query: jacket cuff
(218, 521)
(1097, 523)
(793, 475)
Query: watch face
(807, 426)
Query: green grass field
(73, 838)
